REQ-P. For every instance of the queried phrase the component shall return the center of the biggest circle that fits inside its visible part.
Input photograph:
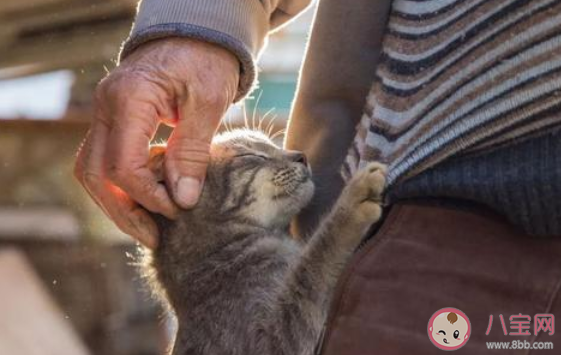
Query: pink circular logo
(449, 329)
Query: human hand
(183, 83)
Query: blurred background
(68, 284)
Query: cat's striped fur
(236, 279)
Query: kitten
(238, 282)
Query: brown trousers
(429, 256)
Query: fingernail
(188, 190)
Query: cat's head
(251, 178)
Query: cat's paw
(363, 194)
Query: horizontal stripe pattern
(412, 30)
(411, 10)
(458, 77)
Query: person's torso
(463, 77)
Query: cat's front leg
(302, 304)
(340, 233)
(359, 205)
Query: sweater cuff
(241, 26)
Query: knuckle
(112, 86)
(188, 150)
(187, 161)
(191, 156)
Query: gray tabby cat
(238, 282)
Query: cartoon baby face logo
(449, 329)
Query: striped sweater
(459, 77)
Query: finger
(120, 209)
(127, 159)
(128, 215)
(188, 153)
(80, 167)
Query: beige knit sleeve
(240, 26)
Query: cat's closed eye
(252, 155)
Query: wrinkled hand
(183, 83)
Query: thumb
(187, 157)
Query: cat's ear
(156, 161)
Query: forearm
(338, 71)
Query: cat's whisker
(224, 123)
(245, 117)
(262, 119)
(253, 116)
(280, 132)
(271, 125)
(230, 124)
(268, 113)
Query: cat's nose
(297, 157)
